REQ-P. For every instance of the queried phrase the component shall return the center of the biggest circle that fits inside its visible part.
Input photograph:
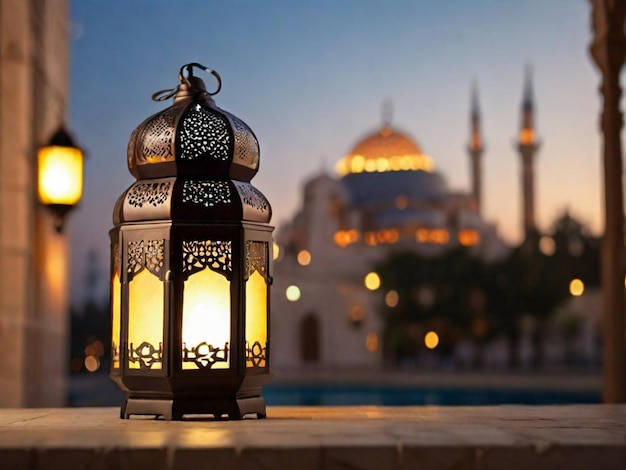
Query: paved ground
(568, 437)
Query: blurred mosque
(388, 197)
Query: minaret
(475, 150)
(527, 147)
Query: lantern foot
(176, 409)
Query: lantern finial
(190, 86)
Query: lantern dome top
(384, 150)
(193, 137)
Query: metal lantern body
(190, 265)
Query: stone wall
(34, 59)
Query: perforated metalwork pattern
(256, 354)
(213, 254)
(132, 148)
(205, 355)
(136, 258)
(157, 137)
(154, 255)
(204, 133)
(145, 354)
(116, 259)
(147, 254)
(252, 196)
(154, 194)
(256, 258)
(246, 145)
(207, 193)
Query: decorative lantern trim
(145, 254)
(213, 254)
(186, 199)
(256, 259)
(204, 133)
(193, 137)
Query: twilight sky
(310, 77)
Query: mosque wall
(384, 202)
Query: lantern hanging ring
(163, 95)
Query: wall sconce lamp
(190, 252)
(60, 176)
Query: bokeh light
(576, 287)
(372, 281)
(304, 258)
(547, 245)
(92, 363)
(392, 298)
(293, 293)
(431, 340)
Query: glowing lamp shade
(60, 175)
(190, 264)
(206, 321)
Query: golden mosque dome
(383, 151)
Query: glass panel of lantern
(206, 322)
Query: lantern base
(234, 409)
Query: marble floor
(431, 437)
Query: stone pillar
(608, 50)
(33, 257)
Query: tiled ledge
(568, 437)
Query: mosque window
(356, 315)
(438, 236)
(372, 342)
(468, 237)
(344, 238)
(370, 238)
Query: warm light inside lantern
(115, 321)
(256, 318)
(206, 320)
(60, 175)
(145, 321)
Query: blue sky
(310, 78)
